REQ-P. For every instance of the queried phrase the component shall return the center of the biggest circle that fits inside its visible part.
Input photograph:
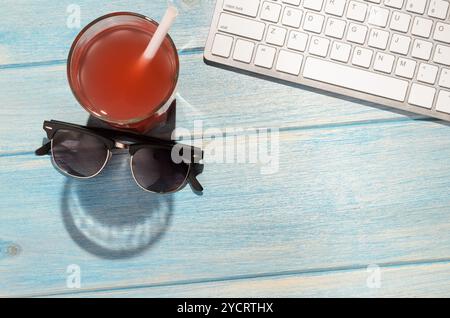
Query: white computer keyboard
(391, 52)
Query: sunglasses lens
(78, 154)
(155, 170)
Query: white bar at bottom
(356, 79)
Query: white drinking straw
(161, 32)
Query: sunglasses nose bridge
(120, 145)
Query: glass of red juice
(110, 78)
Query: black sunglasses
(157, 165)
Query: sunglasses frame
(119, 139)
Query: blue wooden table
(360, 205)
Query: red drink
(110, 77)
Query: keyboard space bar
(355, 79)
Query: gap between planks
(305, 272)
(182, 52)
(284, 130)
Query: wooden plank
(343, 196)
(230, 100)
(36, 31)
(430, 280)
(370, 216)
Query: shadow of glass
(110, 216)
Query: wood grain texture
(324, 213)
(357, 185)
(38, 45)
(427, 280)
(33, 94)
(37, 31)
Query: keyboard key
(222, 45)
(355, 79)
(335, 28)
(357, 33)
(405, 68)
(265, 55)
(397, 4)
(362, 57)
(400, 22)
(357, 11)
(340, 52)
(421, 95)
(442, 55)
(442, 32)
(427, 73)
(270, 12)
(400, 44)
(416, 6)
(444, 80)
(276, 35)
(319, 46)
(293, 2)
(243, 51)
(378, 16)
(313, 4)
(245, 7)
(438, 9)
(335, 7)
(289, 62)
(292, 17)
(297, 41)
(384, 62)
(378, 39)
(422, 49)
(443, 102)
(422, 27)
(241, 26)
(313, 22)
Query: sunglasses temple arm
(195, 184)
(44, 150)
